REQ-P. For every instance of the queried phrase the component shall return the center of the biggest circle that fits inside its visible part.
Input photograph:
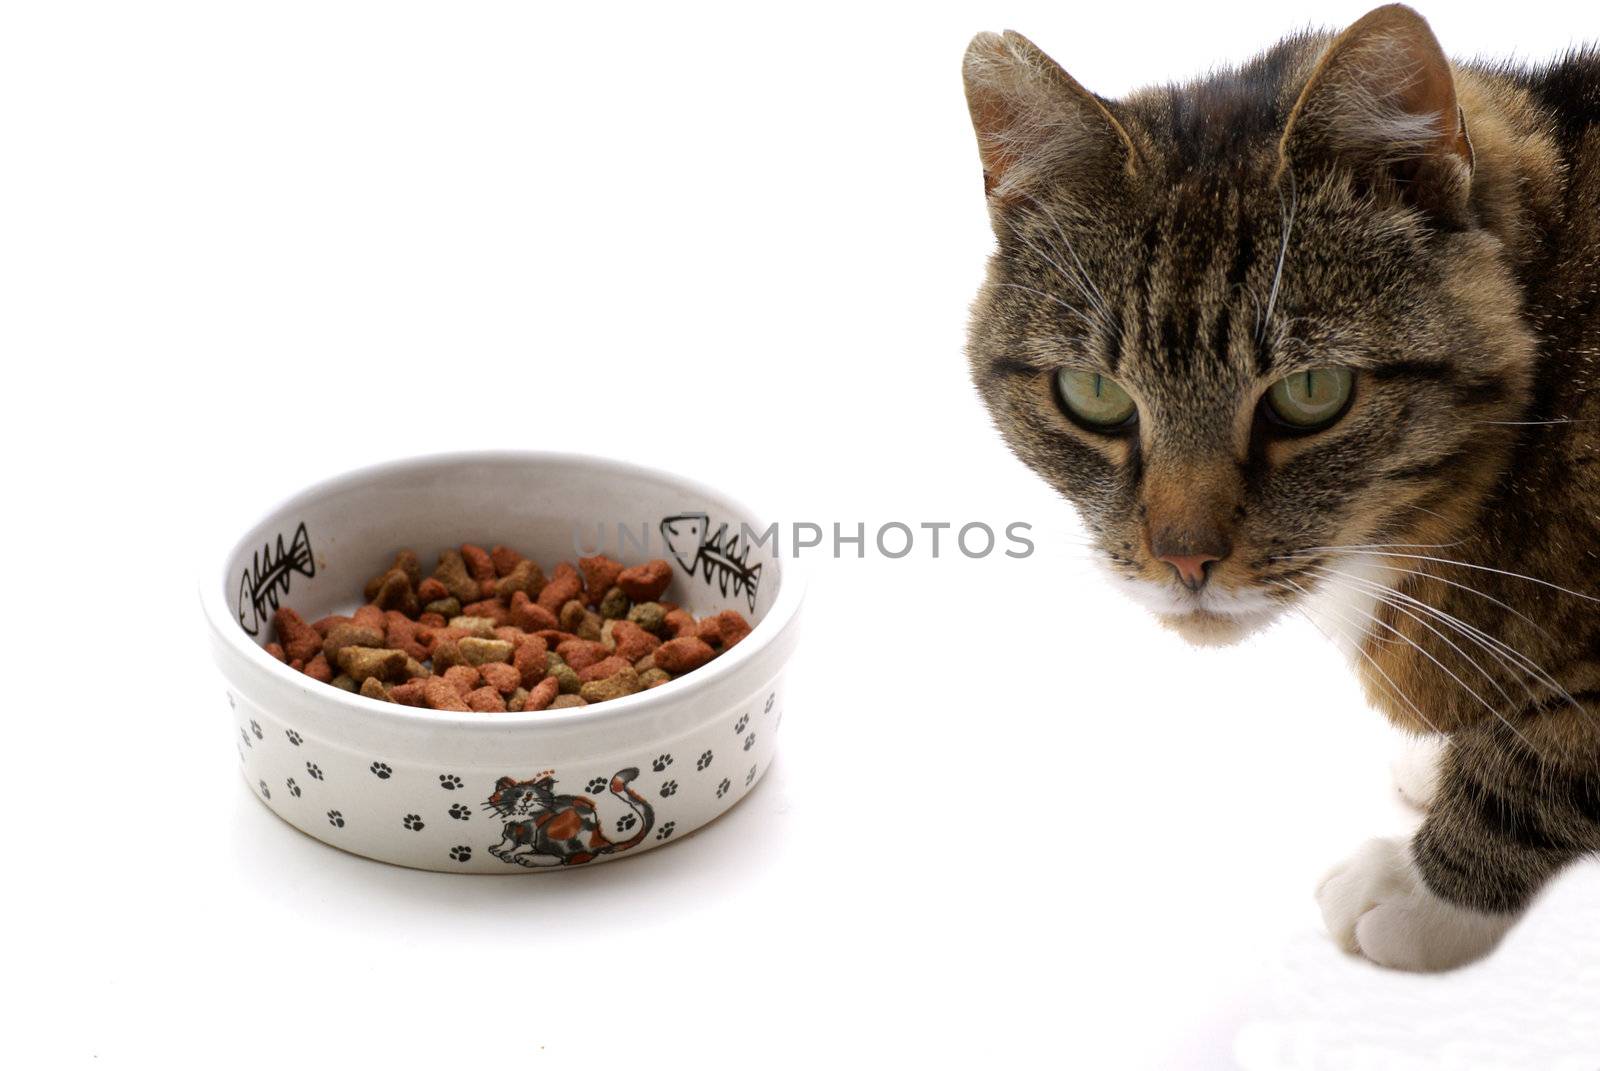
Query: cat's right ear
(504, 783)
(1035, 123)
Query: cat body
(1322, 333)
(546, 829)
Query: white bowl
(413, 786)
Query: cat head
(1247, 320)
(512, 798)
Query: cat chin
(1204, 629)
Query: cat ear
(1034, 121)
(504, 783)
(1382, 100)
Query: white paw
(1416, 770)
(1376, 905)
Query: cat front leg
(1507, 815)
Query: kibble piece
(416, 669)
(561, 589)
(580, 654)
(463, 678)
(344, 682)
(364, 662)
(446, 653)
(566, 678)
(430, 590)
(529, 615)
(505, 559)
(615, 603)
(439, 695)
(543, 694)
(652, 678)
(571, 615)
(724, 630)
(324, 624)
(683, 654)
(479, 564)
(299, 639)
(603, 669)
(531, 660)
(408, 694)
(561, 702)
(445, 608)
(599, 575)
(482, 627)
(402, 633)
(645, 583)
(318, 668)
(495, 610)
(632, 641)
(624, 682)
(452, 573)
(527, 578)
(406, 564)
(351, 635)
(396, 593)
(648, 616)
(368, 616)
(486, 700)
(503, 678)
(646, 664)
(373, 688)
(516, 700)
(477, 651)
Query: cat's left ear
(1382, 100)
(1035, 124)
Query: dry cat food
(489, 631)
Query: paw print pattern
(705, 760)
(314, 770)
(255, 727)
(460, 812)
(294, 789)
(665, 831)
(770, 697)
(751, 776)
(266, 793)
(750, 741)
(740, 725)
(626, 822)
(413, 822)
(722, 787)
(336, 819)
(240, 750)
(294, 737)
(231, 703)
(245, 737)
(661, 763)
(449, 782)
(461, 853)
(668, 788)
(598, 784)
(380, 770)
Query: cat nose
(1192, 569)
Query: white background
(242, 248)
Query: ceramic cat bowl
(436, 790)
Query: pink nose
(1191, 568)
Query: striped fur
(1357, 200)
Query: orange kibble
(542, 694)
(645, 583)
(479, 564)
(300, 641)
(599, 576)
(501, 677)
(580, 654)
(463, 678)
(530, 660)
(440, 694)
(683, 654)
(602, 669)
(560, 590)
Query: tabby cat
(1322, 333)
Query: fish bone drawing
(268, 576)
(717, 556)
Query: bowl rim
(640, 705)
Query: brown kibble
(482, 627)
(431, 620)
(373, 688)
(565, 677)
(276, 651)
(501, 677)
(318, 668)
(580, 654)
(543, 694)
(624, 682)
(603, 669)
(561, 702)
(554, 637)
(486, 700)
(645, 583)
(479, 564)
(615, 603)
(649, 616)
(344, 683)
(511, 634)
(409, 694)
(683, 654)
(452, 573)
(654, 678)
(368, 616)
(561, 589)
(476, 651)
(505, 559)
(723, 630)
(463, 678)
(361, 663)
(531, 660)
(442, 608)
(430, 590)
(679, 623)
(396, 593)
(416, 669)
(405, 563)
(438, 694)
(632, 642)
(599, 576)
(403, 634)
(646, 664)
(529, 615)
(351, 635)
(527, 578)
(571, 615)
(299, 639)
(324, 624)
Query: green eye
(1311, 399)
(1094, 400)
